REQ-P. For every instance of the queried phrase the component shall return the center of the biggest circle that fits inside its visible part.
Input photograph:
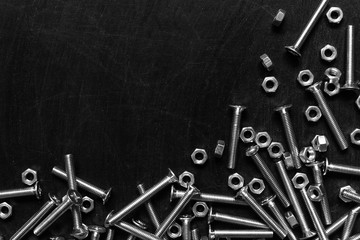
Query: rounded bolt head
(305, 78)
(75, 197)
(199, 156)
(235, 181)
(300, 180)
(315, 193)
(307, 155)
(270, 84)
(54, 199)
(354, 136)
(263, 139)
(29, 176)
(80, 233)
(252, 150)
(247, 134)
(324, 53)
(268, 200)
(338, 15)
(275, 150)
(96, 229)
(38, 190)
(200, 209)
(320, 143)
(309, 113)
(139, 224)
(256, 186)
(346, 188)
(106, 222)
(87, 204)
(5, 210)
(186, 179)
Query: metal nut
(256, 186)
(355, 136)
(334, 15)
(313, 113)
(333, 74)
(315, 193)
(307, 155)
(263, 139)
(346, 188)
(199, 156)
(270, 84)
(266, 62)
(200, 209)
(279, 18)
(288, 161)
(357, 102)
(328, 53)
(29, 176)
(235, 181)
(87, 204)
(320, 143)
(275, 150)
(291, 219)
(219, 149)
(5, 210)
(300, 180)
(174, 231)
(305, 78)
(186, 179)
(331, 88)
(247, 134)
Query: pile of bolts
(274, 222)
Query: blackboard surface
(131, 88)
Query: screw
(103, 194)
(266, 172)
(258, 233)
(307, 233)
(350, 83)
(34, 219)
(349, 194)
(295, 49)
(170, 178)
(136, 231)
(290, 134)
(137, 223)
(195, 235)
(149, 207)
(273, 225)
(185, 226)
(71, 198)
(110, 234)
(349, 224)
(21, 192)
(326, 111)
(269, 201)
(96, 231)
(340, 168)
(235, 132)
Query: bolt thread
(351, 196)
(238, 220)
(234, 138)
(149, 207)
(349, 225)
(351, 170)
(70, 171)
(195, 234)
(278, 215)
(186, 232)
(349, 56)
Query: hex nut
(263, 139)
(5, 210)
(29, 176)
(256, 186)
(315, 193)
(333, 74)
(331, 88)
(346, 188)
(247, 134)
(275, 150)
(199, 156)
(305, 78)
(291, 219)
(335, 15)
(270, 84)
(313, 113)
(288, 161)
(355, 136)
(266, 62)
(328, 53)
(186, 179)
(219, 149)
(174, 231)
(320, 143)
(307, 155)
(87, 204)
(300, 180)
(357, 102)
(279, 18)
(235, 181)
(200, 209)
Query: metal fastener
(195, 235)
(185, 226)
(34, 190)
(258, 233)
(349, 224)
(350, 82)
(96, 231)
(150, 208)
(138, 223)
(340, 168)
(266, 62)
(219, 149)
(235, 132)
(134, 230)
(348, 194)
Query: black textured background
(131, 88)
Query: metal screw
(136, 231)
(103, 194)
(96, 231)
(326, 111)
(110, 234)
(258, 233)
(235, 132)
(340, 168)
(185, 226)
(168, 179)
(195, 235)
(266, 172)
(149, 207)
(349, 224)
(22, 192)
(273, 225)
(290, 134)
(295, 49)
(350, 195)
(350, 82)
(139, 224)
(34, 219)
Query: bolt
(266, 172)
(349, 224)
(134, 230)
(22, 192)
(221, 217)
(103, 194)
(149, 207)
(185, 226)
(96, 231)
(340, 168)
(269, 201)
(258, 233)
(290, 134)
(273, 225)
(110, 234)
(235, 132)
(137, 223)
(325, 109)
(195, 235)
(295, 49)
(348, 194)
(34, 219)
(71, 198)
(350, 82)
(168, 179)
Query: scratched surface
(131, 88)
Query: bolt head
(320, 143)
(210, 218)
(106, 222)
(293, 51)
(96, 229)
(279, 18)
(237, 185)
(75, 197)
(252, 150)
(80, 233)
(315, 87)
(38, 190)
(346, 188)
(54, 199)
(300, 180)
(268, 200)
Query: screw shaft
(135, 231)
(340, 168)
(350, 82)
(195, 235)
(259, 233)
(349, 224)
(235, 132)
(150, 208)
(355, 197)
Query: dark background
(131, 88)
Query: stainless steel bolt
(110, 234)
(137, 223)
(349, 224)
(290, 134)
(150, 208)
(340, 168)
(96, 231)
(350, 195)
(103, 194)
(329, 116)
(185, 226)
(350, 82)
(34, 190)
(136, 231)
(195, 235)
(273, 225)
(168, 179)
(235, 132)
(268, 176)
(258, 233)
(295, 49)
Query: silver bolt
(71, 198)
(168, 179)
(34, 190)
(34, 219)
(290, 134)
(258, 233)
(307, 233)
(340, 168)
(221, 217)
(350, 195)
(103, 194)
(110, 234)
(329, 116)
(149, 207)
(269, 201)
(349, 224)
(195, 235)
(207, 197)
(295, 49)
(96, 231)
(273, 225)
(185, 226)
(235, 132)
(137, 223)
(266, 172)
(136, 231)
(350, 82)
